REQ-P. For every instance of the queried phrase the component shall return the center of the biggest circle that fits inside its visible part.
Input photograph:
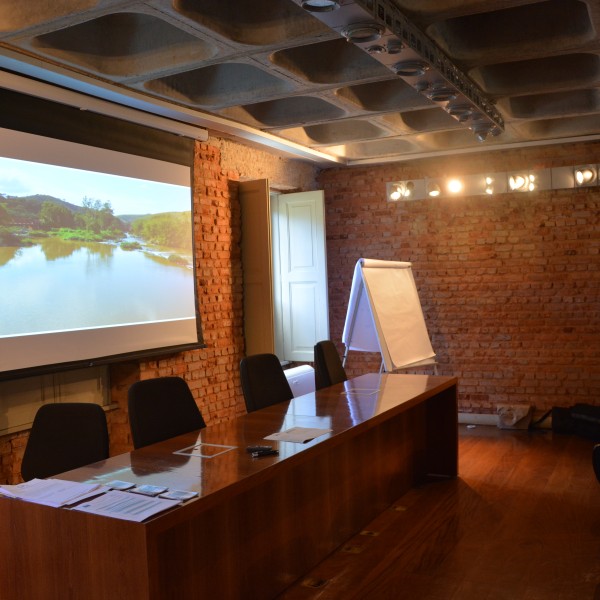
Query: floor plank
(521, 522)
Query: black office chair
(328, 366)
(160, 409)
(596, 460)
(65, 436)
(263, 381)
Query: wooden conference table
(258, 524)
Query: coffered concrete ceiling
(275, 73)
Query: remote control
(260, 453)
(258, 448)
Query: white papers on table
(123, 505)
(360, 391)
(52, 492)
(301, 435)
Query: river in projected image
(59, 285)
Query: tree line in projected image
(25, 220)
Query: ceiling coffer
(380, 29)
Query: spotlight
(394, 47)
(404, 189)
(522, 182)
(516, 182)
(585, 175)
(455, 186)
(489, 185)
(411, 68)
(376, 49)
(433, 190)
(481, 131)
(360, 33)
(441, 93)
(396, 194)
(461, 112)
(319, 6)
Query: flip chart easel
(385, 315)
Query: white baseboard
(492, 420)
(477, 419)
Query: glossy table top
(221, 461)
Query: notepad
(301, 435)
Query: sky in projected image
(23, 178)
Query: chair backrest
(328, 366)
(160, 409)
(65, 436)
(263, 381)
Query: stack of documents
(52, 492)
(94, 498)
(123, 505)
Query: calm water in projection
(58, 285)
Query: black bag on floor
(581, 419)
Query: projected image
(82, 250)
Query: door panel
(257, 267)
(302, 273)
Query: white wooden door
(300, 274)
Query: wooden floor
(522, 522)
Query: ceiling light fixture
(481, 131)
(376, 49)
(422, 63)
(319, 6)
(455, 186)
(586, 175)
(434, 190)
(441, 93)
(361, 33)
(394, 47)
(459, 111)
(497, 184)
(522, 182)
(411, 68)
(401, 190)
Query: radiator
(301, 379)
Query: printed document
(123, 505)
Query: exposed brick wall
(509, 284)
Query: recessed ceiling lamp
(441, 93)
(376, 49)
(394, 47)
(481, 131)
(586, 175)
(521, 182)
(319, 6)
(461, 112)
(360, 33)
(411, 68)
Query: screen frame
(28, 114)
